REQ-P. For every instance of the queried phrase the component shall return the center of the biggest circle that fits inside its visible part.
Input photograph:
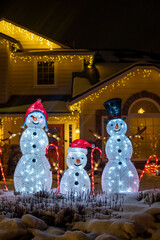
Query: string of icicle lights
(119, 83)
(56, 58)
(74, 117)
(14, 31)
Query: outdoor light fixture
(141, 111)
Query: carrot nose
(78, 161)
(116, 127)
(34, 118)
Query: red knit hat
(79, 145)
(36, 107)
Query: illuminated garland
(4, 180)
(56, 58)
(13, 30)
(111, 87)
(73, 117)
(10, 119)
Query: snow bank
(76, 235)
(55, 230)
(11, 228)
(43, 216)
(107, 237)
(34, 222)
(117, 227)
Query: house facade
(73, 86)
(138, 85)
(34, 67)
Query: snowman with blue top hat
(119, 174)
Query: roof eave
(111, 79)
(38, 34)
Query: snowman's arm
(56, 137)
(96, 135)
(11, 136)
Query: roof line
(10, 113)
(109, 80)
(10, 39)
(53, 52)
(47, 38)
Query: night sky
(108, 24)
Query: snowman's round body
(32, 173)
(119, 174)
(75, 179)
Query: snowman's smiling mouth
(35, 123)
(117, 130)
(77, 165)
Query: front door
(56, 129)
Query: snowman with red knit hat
(75, 179)
(32, 173)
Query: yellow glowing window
(45, 73)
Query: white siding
(24, 74)
(3, 73)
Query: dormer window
(45, 73)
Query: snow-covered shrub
(149, 197)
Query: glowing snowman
(119, 174)
(75, 179)
(32, 173)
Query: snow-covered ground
(133, 216)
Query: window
(45, 73)
(70, 134)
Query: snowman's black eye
(40, 116)
(72, 157)
(81, 157)
(120, 123)
(111, 125)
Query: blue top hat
(113, 108)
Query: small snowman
(75, 179)
(119, 174)
(32, 173)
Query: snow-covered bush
(149, 197)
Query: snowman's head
(36, 119)
(116, 127)
(76, 159)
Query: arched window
(144, 113)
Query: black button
(119, 150)
(120, 163)
(34, 146)
(77, 174)
(33, 160)
(76, 183)
(34, 133)
(118, 139)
